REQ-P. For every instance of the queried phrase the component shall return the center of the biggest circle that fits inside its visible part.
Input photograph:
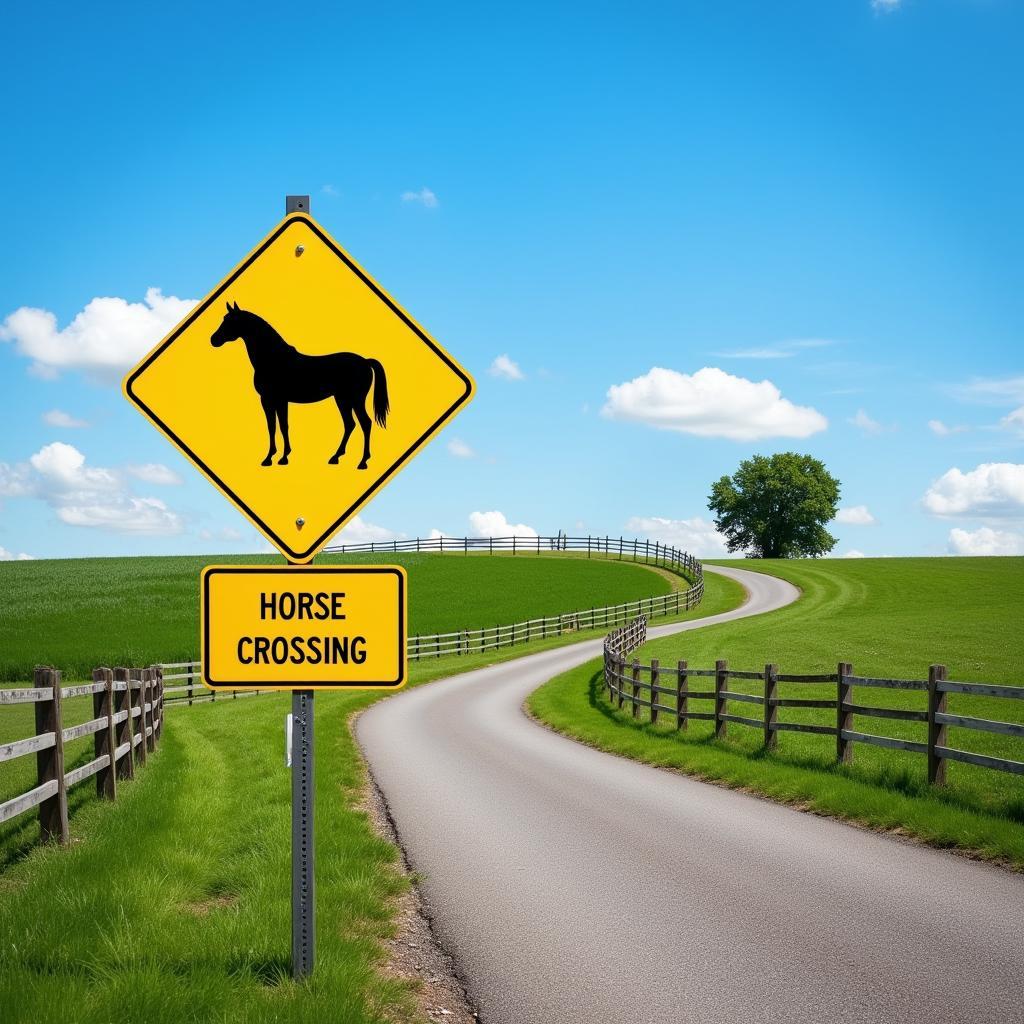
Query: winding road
(574, 886)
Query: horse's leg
(366, 423)
(349, 421)
(282, 419)
(268, 411)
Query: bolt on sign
(299, 387)
(330, 626)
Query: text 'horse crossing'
(282, 374)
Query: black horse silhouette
(282, 374)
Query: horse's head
(231, 326)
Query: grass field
(173, 904)
(889, 617)
(76, 614)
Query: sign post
(303, 873)
(298, 344)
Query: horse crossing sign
(299, 387)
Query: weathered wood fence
(628, 681)
(127, 724)
(475, 641)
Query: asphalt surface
(574, 886)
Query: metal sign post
(303, 861)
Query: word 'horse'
(282, 374)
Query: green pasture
(76, 614)
(174, 902)
(889, 618)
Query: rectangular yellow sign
(304, 627)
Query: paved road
(574, 886)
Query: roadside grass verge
(76, 614)
(889, 617)
(173, 904)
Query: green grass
(889, 617)
(173, 904)
(76, 614)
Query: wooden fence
(127, 724)
(628, 680)
(188, 688)
(475, 641)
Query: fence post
(636, 687)
(620, 662)
(104, 739)
(158, 729)
(53, 811)
(654, 696)
(771, 710)
(123, 703)
(936, 730)
(682, 688)
(136, 686)
(189, 670)
(149, 684)
(721, 726)
(844, 717)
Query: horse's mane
(262, 332)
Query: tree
(777, 506)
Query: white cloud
(865, 423)
(153, 473)
(992, 390)
(494, 524)
(885, 6)
(697, 536)
(1015, 421)
(782, 350)
(856, 515)
(83, 495)
(330, 190)
(991, 489)
(437, 534)
(10, 556)
(506, 368)
(710, 403)
(359, 531)
(424, 196)
(941, 429)
(59, 418)
(15, 481)
(459, 448)
(853, 553)
(123, 514)
(985, 541)
(104, 339)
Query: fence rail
(127, 724)
(628, 681)
(474, 641)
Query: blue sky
(648, 210)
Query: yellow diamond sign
(299, 387)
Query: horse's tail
(380, 393)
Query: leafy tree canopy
(777, 506)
